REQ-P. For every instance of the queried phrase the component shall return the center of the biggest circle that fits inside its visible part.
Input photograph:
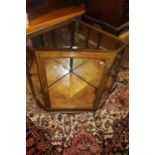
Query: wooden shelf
(54, 17)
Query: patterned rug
(36, 142)
(104, 132)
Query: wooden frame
(108, 57)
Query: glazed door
(73, 80)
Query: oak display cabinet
(71, 66)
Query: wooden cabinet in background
(112, 15)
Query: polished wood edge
(46, 24)
(72, 54)
(65, 110)
(49, 28)
(75, 50)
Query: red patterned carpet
(36, 142)
(82, 144)
(103, 133)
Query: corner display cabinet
(71, 66)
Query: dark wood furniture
(112, 15)
(45, 13)
(74, 66)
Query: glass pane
(35, 77)
(84, 37)
(68, 84)
(35, 82)
(54, 70)
(93, 39)
(90, 71)
(69, 92)
(109, 43)
(63, 36)
(39, 98)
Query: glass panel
(80, 34)
(109, 43)
(64, 62)
(38, 95)
(35, 82)
(85, 37)
(28, 89)
(39, 98)
(52, 39)
(93, 39)
(38, 41)
(90, 71)
(78, 62)
(62, 35)
(35, 77)
(69, 92)
(54, 70)
(68, 88)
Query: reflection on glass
(66, 88)
(69, 88)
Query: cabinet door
(73, 80)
